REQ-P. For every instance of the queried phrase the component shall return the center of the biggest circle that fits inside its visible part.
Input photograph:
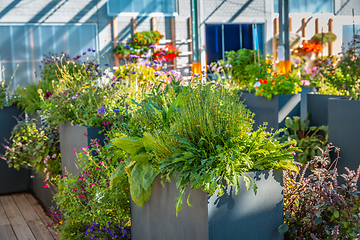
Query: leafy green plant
(276, 84)
(147, 38)
(245, 68)
(204, 139)
(316, 206)
(86, 199)
(130, 49)
(309, 139)
(86, 95)
(34, 146)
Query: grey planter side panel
(272, 111)
(344, 132)
(303, 104)
(11, 179)
(72, 138)
(157, 219)
(44, 195)
(317, 106)
(246, 215)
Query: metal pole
(284, 45)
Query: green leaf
(336, 214)
(283, 228)
(116, 175)
(129, 144)
(142, 157)
(148, 141)
(148, 177)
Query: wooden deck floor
(22, 218)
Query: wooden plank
(290, 24)
(303, 27)
(25, 207)
(190, 36)
(115, 41)
(3, 218)
(153, 23)
(40, 231)
(7, 233)
(32, 218)
(21, 229)
(133, 25)
(330, 29)
(40, 211)
(173, 38)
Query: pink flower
(101, 162)
(85, 134)
(98, 168)
(47, 158)
(53, 156)
(81, 148)
(45, 169)
(46, 186)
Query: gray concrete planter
(243, 216)
(44, 195)
(303, 104)
(11, 179)
(317, 107)
(344, 131)
(272, 111)
(72, 138)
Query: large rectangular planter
(317, 107)
(11, 179)
(242, 216)
(303, 105)
(344, 131)
(272, 111)
(44, 195)
(72, 138)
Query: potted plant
(36, 147)
(344, 112)
(169, 53)
(84, 101)
(276, 97)
(18, 180)
(147, 38)
(126, 50)
(201, 139)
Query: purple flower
(101, 110)
(89, 49)
(162, 53)
(106, 64)
(152, 46)
(126, 46)
(77, 57)
(133, 72)
(47, 95)
(133, 56)
(93, 50)
(145, 53)
(75, 96)
(84, 53)
(196, 75)
(116, 110)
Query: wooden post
(190, 37)
(274, 41)
(303, 26)
(133, 25)
(115, 40)
(153, 23)
(330, 29)
(290, 24)
(173, 39)
(317, 31)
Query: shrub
(86, 199)
(316, 206)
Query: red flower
(265, 81)
(261, 81)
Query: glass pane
(232, 37)
(167, 7)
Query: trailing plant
(277, 84)
(109, 231)
(33, 145)
(309, 139)
(125, 50)
(316, 206)
(323, 38)
(147, 38)
(204, 138)
(86, 202)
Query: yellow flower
(89, 71)
(86, 87)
